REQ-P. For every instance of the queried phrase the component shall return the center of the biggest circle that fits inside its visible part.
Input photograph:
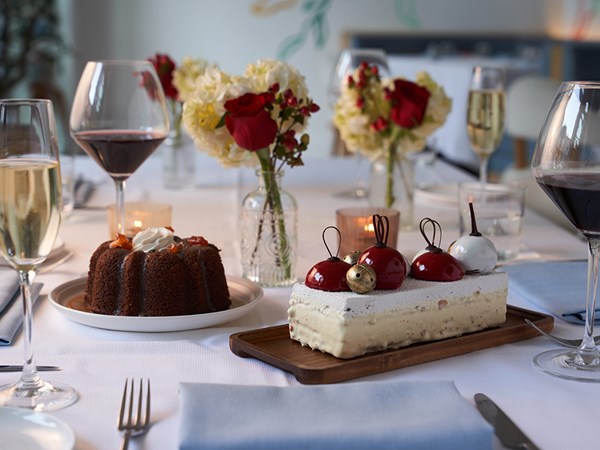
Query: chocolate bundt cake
(156, 274)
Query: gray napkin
(11, 305)
(556, 287)
(360, 415)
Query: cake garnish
(475, 252)
(197, 240)
(352, 257)
(330, 274)
(173, 248)
(434, 264)
(121, 241)
(387, 262)
(361, 278)
(153, 239)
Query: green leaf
(221, 122)
(319, 30)
(290, 45)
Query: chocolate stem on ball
(381, 226)
(339, 241)
(474, 230)
(435, 226)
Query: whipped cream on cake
(153, 239)
(346, 324)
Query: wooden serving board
(274, 346)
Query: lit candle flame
(369, 228)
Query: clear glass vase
(269, 232)
(178, 155)
(392, 185)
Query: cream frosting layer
(346, 324)
(152, 239)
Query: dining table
(96, 361)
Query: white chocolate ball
(477, 254)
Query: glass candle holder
(139, 216)
(357, 231)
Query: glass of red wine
(566, 164)
(119, 117)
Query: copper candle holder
(357, 231)
(139, 216)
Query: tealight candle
(357, 231)
(139, 216)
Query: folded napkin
(11, 309)
(556, 287)
(363, 415)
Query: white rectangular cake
(346, 324)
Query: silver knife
(509, 434)
(17, 368)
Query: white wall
(227, 32)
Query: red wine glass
(119, 117)
(566, 164)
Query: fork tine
(147, 418)
(130, 417)
(138, 414)
(123, 403)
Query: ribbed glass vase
(269, 232)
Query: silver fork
(571, 343)
(130, 426)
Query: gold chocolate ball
(352, 258)
(361, 278)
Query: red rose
(165, 66)
(249, 123)
(409, 102)
(148, 83)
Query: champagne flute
(485, 114)
(119, 117)
(348, 61)
(30, 210)
(566, 164)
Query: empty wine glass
(119, 117)
(485, 114)
(348, 61)
(566, 164)
(30, 211)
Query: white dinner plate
(446, 194)
(68, 300)
(23, 429)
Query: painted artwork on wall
(314, 26)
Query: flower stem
(389, 186)
(274, 206)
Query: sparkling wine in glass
(119, 118)
(348, 61)
(30, 210)
(566, 164)
(485, 114)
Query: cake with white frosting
(346, 324)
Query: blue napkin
(11, 306)
(556, 287)
(363, 415)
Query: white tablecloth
(557, 414)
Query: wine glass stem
(588, 344)
(29, 376)
(483, 166)
(120, 207)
